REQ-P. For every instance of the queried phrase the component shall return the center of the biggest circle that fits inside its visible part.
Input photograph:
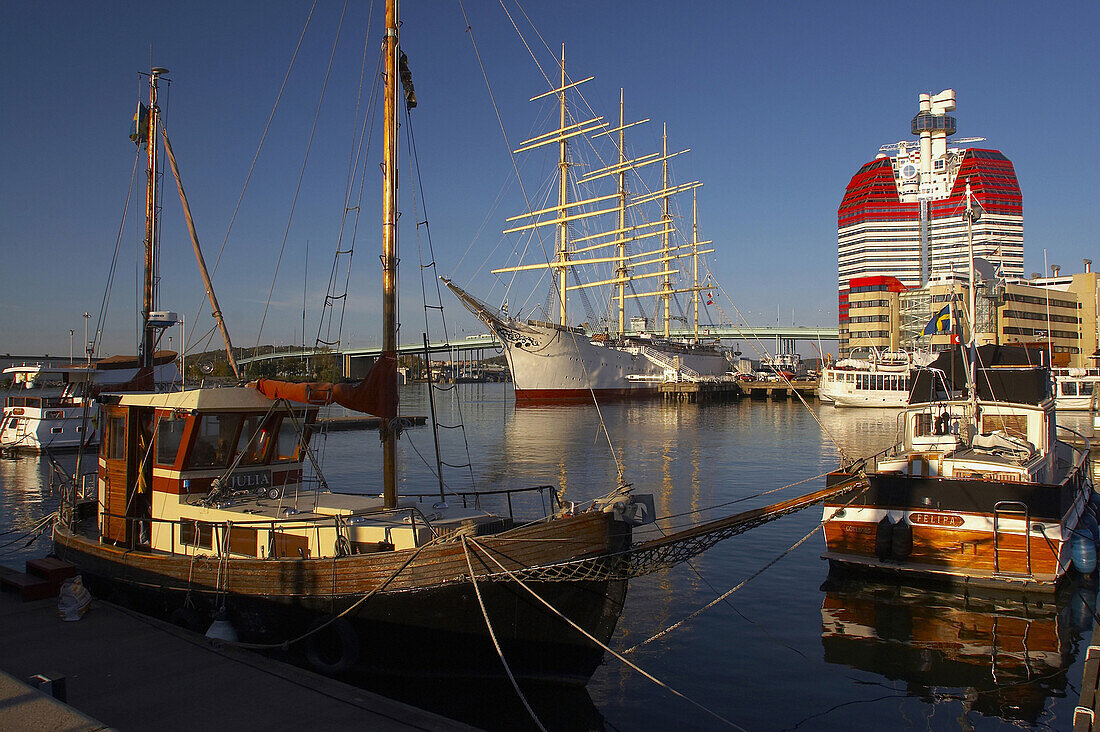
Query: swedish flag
(941, 323)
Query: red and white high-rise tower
(901, 216)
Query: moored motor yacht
(978, 489)
(51, 407)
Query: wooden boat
(203, 510)
(978, 489)
(207, 511)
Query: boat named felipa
(979, 488)
(555, 361)
(204, 511)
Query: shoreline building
(900, 223)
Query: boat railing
(221, 530)
(549, 500)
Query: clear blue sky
(780, 102)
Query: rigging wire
(361, 153)
(255, 158)
(301, 173)
(585, 633)
(414, 161)
(668, 629)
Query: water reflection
(1007, 655)
(26, 497)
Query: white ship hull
(37, 420)
(555, 363)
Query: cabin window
(286, 446)
(55, 430)
(922, 426)
(115, 448)
(196, 533)
(169, 436)
(214, 441)
(1086, 388)
(1069, 388)
(1014, 425)
(255, 439)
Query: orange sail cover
(376, 394)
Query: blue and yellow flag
(941, 323)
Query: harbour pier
(119, 669)
(775, 390)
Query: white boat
(554, 361)
(1076, 388)
(51, 407)
(882, 380)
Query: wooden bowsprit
(667, 551)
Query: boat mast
(695, 259)
(666, 282)
(621, 271)
(563, 185)
(148, 301)
(389, 244)
(972, 373)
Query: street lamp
(87, 343)
(71, 331)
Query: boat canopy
(1004, 373)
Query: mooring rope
(748, 579)
(496, 643)
(287, 643)
(597, 641)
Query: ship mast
(666, 281)
(695, 259)
(148, 302)
(621, 272)
(563, 187)
(389, 243)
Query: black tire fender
(188, 619)
(332, 646)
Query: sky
(780, 103)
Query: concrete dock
(126, 671)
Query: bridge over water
(355, 361)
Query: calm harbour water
(788, 650)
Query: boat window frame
(114, 436)
(162, 422)
(226, 445)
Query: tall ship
(554, 360)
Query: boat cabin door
(125, 471)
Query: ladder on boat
(1003, 510)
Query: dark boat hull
(435, 630)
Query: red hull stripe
(581, 395)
